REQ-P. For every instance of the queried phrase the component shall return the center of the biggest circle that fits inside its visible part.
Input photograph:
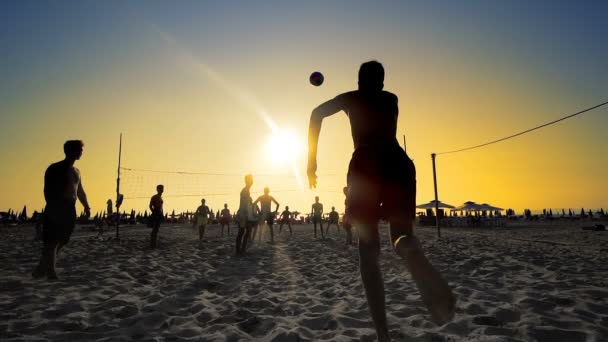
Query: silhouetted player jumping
(62, 186)
(381, 183)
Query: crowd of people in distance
(251, 218)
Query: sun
(283, 146)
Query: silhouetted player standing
(225, 218)
(62, 186)
(334, 218)
(157, 216)
(286, 219)
(317, 215)
(201, 216)
(245, 215)
(266, 215)
(381, 183)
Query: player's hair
(266, 189)
(371, 76)
(249, 176)
(286, 207)
(203, 200)
(71, 146)
(159, 187)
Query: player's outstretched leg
(43, 265)
(154, 235)
(434, 290)
(271, 233)
(369, 254)
(247, 242)
(242, 237)
(349, 233)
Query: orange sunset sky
(222, 88)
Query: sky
(203, 87)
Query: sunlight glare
(283, 146)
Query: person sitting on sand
(62, 187)
(156, 215)
(200, 219)
(266, 215)
(381, 184)
(316, 216)
(286, 219)
(224, 219)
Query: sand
(546, 283)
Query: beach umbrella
(486, 206)
(469, 206)
(431, 205)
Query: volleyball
(316, 78)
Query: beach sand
(545, 283)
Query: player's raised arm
(324, 110)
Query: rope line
(213, 174)
(526, 131)
(226, 194)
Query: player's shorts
(156, 219)
(381, 184)
(316, 219)
(58, 222)
(268, 218)
(224, 221)
(201, 220)
(245, 222)
(285, 221)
